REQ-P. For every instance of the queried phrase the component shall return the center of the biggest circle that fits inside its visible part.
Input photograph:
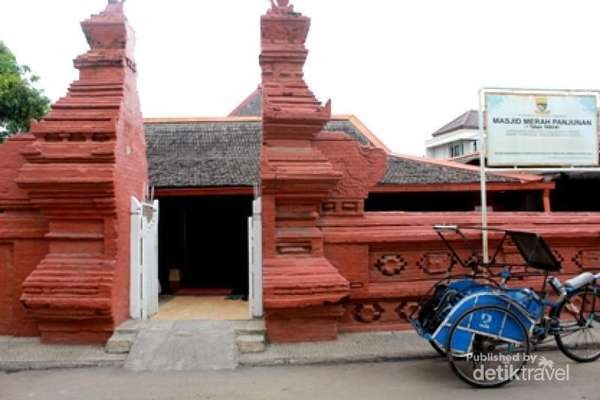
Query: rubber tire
(558, 339)
(455, 326)
(437, 349)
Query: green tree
(20, 100)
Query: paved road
(414, 380)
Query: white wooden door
(255, 293)
(144, 285)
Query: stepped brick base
(68, 187)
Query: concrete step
(184, 346)
(124, 337)
(256, 326)
(251, 336)
(120, 343)
(131, 326)
(251, 343)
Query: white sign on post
(541, 129)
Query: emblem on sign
(541, 105)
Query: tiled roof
(250, 107)
(404, 170)
(468, 120)
(203, 154)
(209, 154)
(221, 153)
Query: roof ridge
(236, 112)
(364, 129)
(466, 116)
(185, 120)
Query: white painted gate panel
(144, 284)
(255, 294)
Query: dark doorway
(576, 192)
(423, 202)
(454, 201)
(203, 244)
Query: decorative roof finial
(281, 6)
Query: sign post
(537, 131)
(483, 178)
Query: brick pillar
(302, 290)
(88, 158)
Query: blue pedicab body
(490, 322)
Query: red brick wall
(22, 245)
(392, 259)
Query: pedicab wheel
(488, 352)
(437, 348)
(578, 335)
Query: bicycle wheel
(472, 352)
(578, 334)
(437, 348)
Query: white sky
(404, 67)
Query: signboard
(533, 129)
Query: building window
(456, 150)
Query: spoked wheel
(578, 335)
(487, 346)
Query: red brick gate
(328, 265)
(65, 191)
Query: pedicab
(479, 323)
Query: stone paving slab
(184, 346)
(19, 354)
(351, 347)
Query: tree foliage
(20, 100)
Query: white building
(457, 139)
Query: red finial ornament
(281, 6)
